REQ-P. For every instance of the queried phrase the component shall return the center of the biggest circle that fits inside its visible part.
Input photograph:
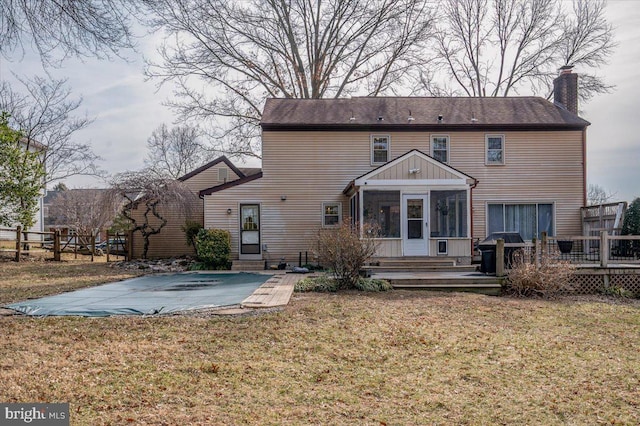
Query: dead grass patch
(398, 357)
(36, 278)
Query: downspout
(475, 183)
(584, 166)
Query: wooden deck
(462, 280)
(275, 292)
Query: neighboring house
(171, 240)
(434, 174)
(81, 197)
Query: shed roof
(460, 113)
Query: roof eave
(231, 184)
(310, 127)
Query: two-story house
(434, 174)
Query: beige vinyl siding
(310, 168)
(427, 171)
(540, 167)
(170, 241)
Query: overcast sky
(127, 108)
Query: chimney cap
(566, 69)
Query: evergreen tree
(21, 179)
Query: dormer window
(379, 149)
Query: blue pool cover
(148, 295)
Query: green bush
(191, 228)
(372, 284)
(214, 248)
(617, 291)
(321, 284)
(325, 284)
(631, 226)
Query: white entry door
(415, 227)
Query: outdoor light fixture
(283, 197)
(228, 211)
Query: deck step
(422, 268)
(247, 265)
(442, 281)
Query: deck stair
(247, 265)
(418, 264)
(442, 274)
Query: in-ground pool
(148, 295)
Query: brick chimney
(565, 89)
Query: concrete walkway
(275, 292)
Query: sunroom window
(449, 214)
(382, 209)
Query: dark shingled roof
(458, 113)
(221, 159)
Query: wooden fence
(22, 243)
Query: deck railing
(604, 250)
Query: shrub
(617, 291)
(325, 284)
(191, 229)
(631, 226)
(345, 252)
(373, 284)
(321, 284)
(214, 248)
(547, 278)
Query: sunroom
(417, 205)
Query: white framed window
(331, 214)
(380, 147)
(440, 148)
(494, 149)
(529, 220)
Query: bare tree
(147, 199)
(175, 152)
(86, 210)
(244, 52)
(74, 28)
(596, 194)
(45, 114)
(497, 47)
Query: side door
(250, 244)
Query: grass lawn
(396, 358)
